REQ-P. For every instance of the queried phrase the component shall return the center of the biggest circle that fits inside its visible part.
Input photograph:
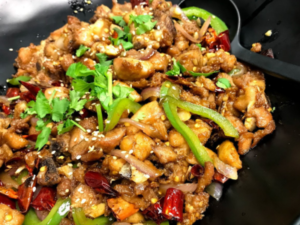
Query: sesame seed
(81, 9)
(101, 136)
(53, 152)
(152, 151)
(10, 49)
(114, 157)
(131, 151)
(123, 152)
(268, 33)
(70, 164)
(78, 157)
(94, 139)
(75, 11)
(75, 139)
(77, 119)
(67, 190)
(34, 189)
(146, 175)
(126, 156)
(86, 139)
(88, 130)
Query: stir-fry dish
(137, 117)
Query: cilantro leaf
(120, 91)
(79, 70)
(126, 44)
(223, 83)
(76, 104)
(177, 68)
(103, 59)
(40, 124)
(140, 116)
(139, 19)
(59, 108)
(65, 127)
(15, 81)
(202, 74)
(42, 105)
(119, 20)
(30, 110)
(143, 28)
(81, 50)
(81, 86)
(42, 138)
(121, 33)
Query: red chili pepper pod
(6, 109)
(173, 204)
(45, 200)
(220, 177)
(99, 183)
(27, 96)
(224, 41)
(115, 34)
(197, 170)
(12, 92)
(7, 201)
(154, 212)
(25, 193)
(33, 89)
(139, 2)
(31, 137)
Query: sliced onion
(176, 12)
(8, 181)
(184, 33)
(148, 54)
(139, 165)
(204, 27)
(147, 129)
(4, 100)
(241, 69)
(215, 190)
(225, 169)
(185, 188)
(150, 92)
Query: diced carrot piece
(121, 208)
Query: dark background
(268, 189)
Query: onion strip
(184, 33)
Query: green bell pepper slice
(80, 218)
(170, 101)
(116, 110)
(59, 211)
(216, 22)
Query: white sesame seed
(158, 27)
(70, 164)
(268, 33)
(114, 157)
(78, 157)
(151, 152)
(88, 130)
(10, 49)
(94, 139)
(101, 136)
(86, 139)
(67, 190)
(83, 201)
(34, 189)
(126, 156)
(75, 139)
(131, 151)
(53, 152)
(123, 152)
(77, 119)
(75, 11)
(147, 176)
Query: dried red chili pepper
(173, 204)
(45, 200)
(84, 113)
(197, 170)
(139, 2)
(115, 34)
(154, 212)
(33, 89)
(7, 201)
(25, 193)
(6, 109)
(220, 177)
(31, 137)
(27, 96)
(8, 192)
(99, 183)
(12, 92)
(224, 41)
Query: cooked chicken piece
(207, 177)
(229, 155)
(83, 197)
(201, 129)
(256, 47)
(102, 11)
(14, 140)
(114, 164)
(59, 92)
(19, 109)
(48, 174)
(5, 154)
(165, 154)
(195, 205)
(132, 69)
(10, 216)
(64, 187)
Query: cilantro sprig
(81, 50)
(143, 23)
(178, 69)
(124, 37)
(53, 109)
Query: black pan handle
(268, 65)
